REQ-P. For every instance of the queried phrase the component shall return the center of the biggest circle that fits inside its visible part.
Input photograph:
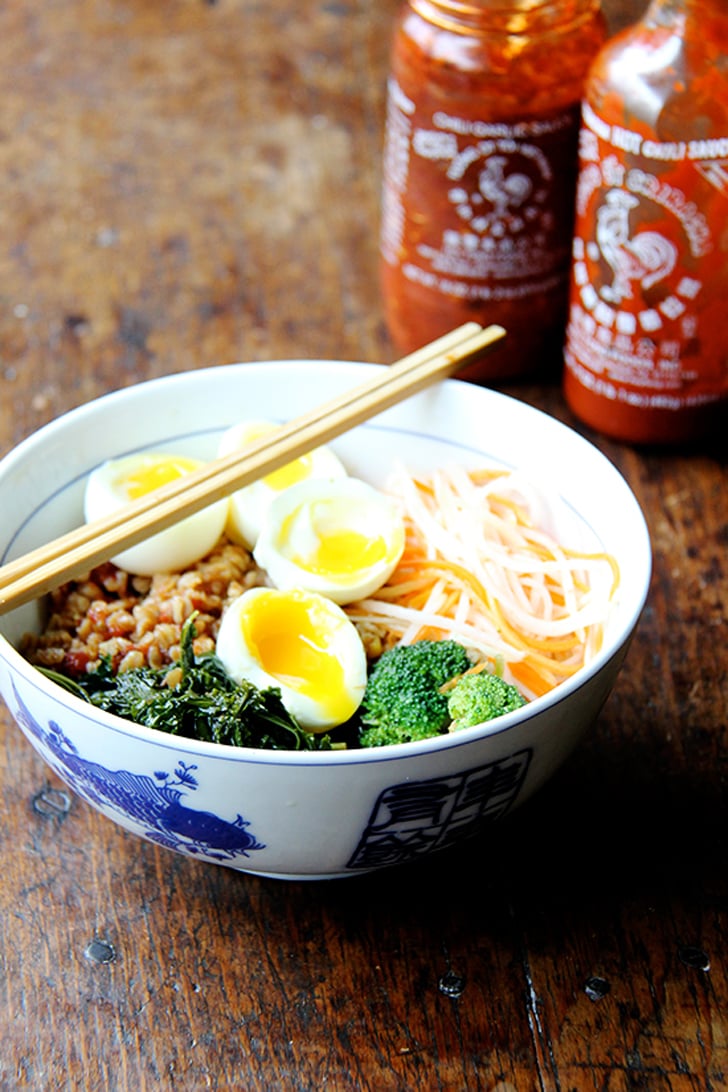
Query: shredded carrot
(530, 679)
(480, 567)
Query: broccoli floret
(402, 701)
(481, 696)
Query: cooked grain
(135, 621)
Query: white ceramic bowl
(313, 814)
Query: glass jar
(480, 170)
(646, 355)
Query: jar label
(649, 276)
(478, 210)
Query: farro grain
(138, 620)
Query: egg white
(301, 643)
(119, 481)
(249, 505)
(342, 539)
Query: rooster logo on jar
(506, 192)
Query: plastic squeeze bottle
(480, 170)
(646, 355)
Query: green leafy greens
(205, 704)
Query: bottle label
(649, 276)
(476, 209)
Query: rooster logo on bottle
(645, 257)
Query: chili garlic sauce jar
(480, 172)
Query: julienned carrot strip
(431, 571)
(549, 646)
(429, 633)
(512, 506)
(535, 601)
(603, 558)
(531, 679)
(484, 475)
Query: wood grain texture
(184, 184)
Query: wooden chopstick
(75, 553)
(267, 445)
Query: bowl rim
(398, 751)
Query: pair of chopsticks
(74, 554)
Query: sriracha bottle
(646, 355)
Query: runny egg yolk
(291, 644)
(341, 538)
(337, 553)
(295, 471)
(248, 506)
(301, 644)
(289, 474)
(152, 473)
(131, 478)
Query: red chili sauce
(647, 349)
(480, 172)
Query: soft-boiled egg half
(301, 643)
(340, 538)
(120, 481)
(249, 505)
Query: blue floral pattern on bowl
(156, 802)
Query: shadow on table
(600, 834)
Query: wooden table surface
(188, 183)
